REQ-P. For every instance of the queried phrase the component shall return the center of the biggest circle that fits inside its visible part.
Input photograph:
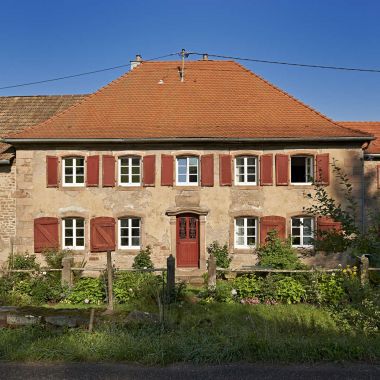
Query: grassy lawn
(196, 333)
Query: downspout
(362, 203)
(5, 162)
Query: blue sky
(45, 39)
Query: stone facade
(371, 188)
(7, 209)
(158, 206)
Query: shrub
(247, 286)
(223, 259)
(289, 290)
(54, 257)
(279, 254)
(143, 260)
(87, 290)
(23, 261)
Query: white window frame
(245, 236)
(309, 169)
(245, 166)
(301, 235)
(129, 183)
(187, 183)
(74, 183)
(74, 237)
(129, 229)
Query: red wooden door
(187, 240)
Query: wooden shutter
(207, 170)
(45, 233)
(225, 170)
(102, 234)
(166, 170)
(282, 169)
(322, 169)
(92, 175)
(326, 224)
(149, 170)
(52, 171)
(266, 170)
(108, 171)
(269, 223)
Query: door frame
(202, 213)
(195, 241)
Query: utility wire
(290, 63)
(82, 74)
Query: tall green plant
(220, 252)
(142, 260)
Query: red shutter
(207, 170)
(266, 170)
(225, 172)
(326, 224)
(322, 169)
(108, 171)
(166, 170)
(51, 171)
(92, 178)
(149, 170)
(45, 233)
(269, 223)
(102, 234)
(282, 169)
(378, 176)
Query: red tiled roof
(20, 112)
(218, 99)
(372, 127)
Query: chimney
(205, 57)
(136, 62)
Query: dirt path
(105, 371)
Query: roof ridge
(41, 96)
(359, 121)
(294, 98)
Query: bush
(87, 290)
(23, 261)
(247, 286)
(278, 254)
(54, 257)
(143, 260)
(223, 259)
(289, 290)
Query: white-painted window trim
(74, 175)
(245, 233)
(187, 181)
(309, 169)
(75, 236)
(128, 229)
(245, 165)
(302, 235)
(130, 166)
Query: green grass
(211, 333)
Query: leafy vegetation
(87, 290)
(143, 260)
(221, 254)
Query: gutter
(183, 139)
(5, 162)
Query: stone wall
(7, 209)
(157, 205)
(371, 190)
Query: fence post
(364, 265)
(212, 272)
(67, 276)
(170, 277)
(110, 281)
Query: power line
(82, 74)
(290, 63)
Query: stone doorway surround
(201, 212)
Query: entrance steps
(192, 276)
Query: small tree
(223, 258)
(278, 254)
(143, 260)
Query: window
(73, 171)
(245, 170)
(302, 232)
(187, 171)
(245, 232)
(129, 171)
(129, 233)
(301, 169)
(73, 233)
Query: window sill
(244, 251)
(247, 187)
(187, 187)
(129, 188)
(300, 186)
(128, 251)
(70, 188)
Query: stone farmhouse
(174, 158)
